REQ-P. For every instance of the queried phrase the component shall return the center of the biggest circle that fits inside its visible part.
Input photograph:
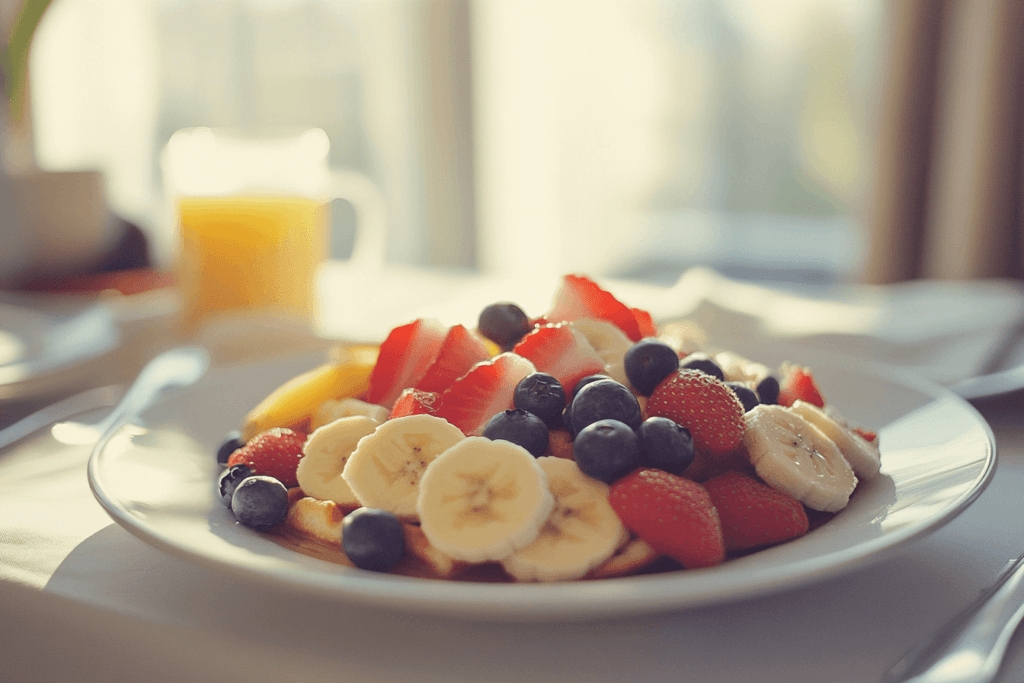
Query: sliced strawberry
(865, 434)
(403, 359)
(460, 350)
(561, 351)
(275, 453)
(702, 404)
(754, 514)
(484, 391)
(674, 515)
(645, 323)
(581, 297)
(798, 385)
(415, 402)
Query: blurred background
(794, 141)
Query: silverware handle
(180, 366)
(98, 397)
(970, 648)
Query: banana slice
(482, 500)
(864, 457)
(793, 456)
(333, 409)
(611, 345)
(581, 532)
(736, 368)
(325, 453)
(384, 470)
(685, 336)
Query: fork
(970, 648)
(97, 397)
(180, 366)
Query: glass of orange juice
(252, 217)
(249, 253)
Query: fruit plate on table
(156, 478)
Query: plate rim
(590, 599)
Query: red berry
(561, 351)
(754, 514)
(403, 359)
(865, 434)
(275, 453)
(644, 322)
(581, 297)
(798, 385)
(483, 392)
(674, 515)
(415, 402)
(459, 352)
(702, 404)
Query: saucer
(45, 349)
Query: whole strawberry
(674, 515)
(275, 453)
(754, 514)
(702, 404)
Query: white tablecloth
(83, 600)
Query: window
(628, 138)
(639, 138)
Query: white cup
(54, 223)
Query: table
(84, 600)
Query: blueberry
(585, 381)
(567, 420)
(260, 502)
(605, 400)
(567, 413)
(647, 363)
(702, 361)
(521, 428)
(231, 443)
(542, 395)
(504, 324)
(768, 390)
(607, 450)
(373, 539)
(665, 445)
(745, 394)
(229, 480)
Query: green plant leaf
(15, 57)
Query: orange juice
(249, 253)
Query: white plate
(156, 478)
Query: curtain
(945, 201)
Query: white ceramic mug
(53, 223)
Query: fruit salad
(582, 443)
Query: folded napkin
(943, 331)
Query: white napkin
(943, 331)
